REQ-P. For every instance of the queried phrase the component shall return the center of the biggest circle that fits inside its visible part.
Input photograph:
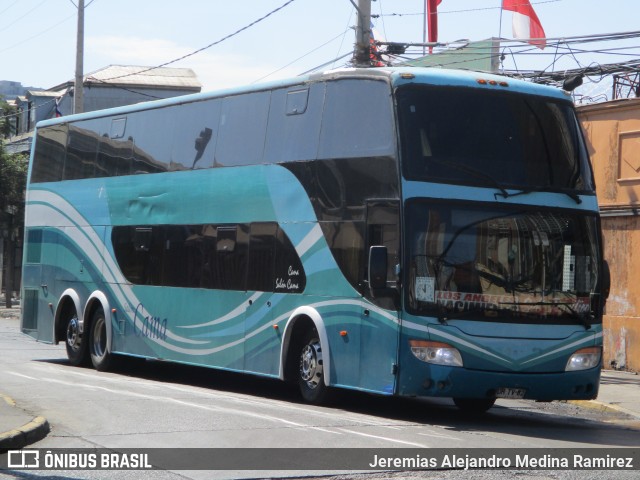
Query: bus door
(380, 314)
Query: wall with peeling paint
(612, 131)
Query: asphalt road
(160, 405)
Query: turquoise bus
(400, 231)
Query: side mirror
(377, 268)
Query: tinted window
(82, 152)
(231, 256)
(151, 134)
(474, 136)
(50, 150)
(357, 120)
(262, 253)
(139, 251)
(294, 124)
(194, 135)
(258, 257)
(115, 157)
(242, 130)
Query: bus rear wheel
(100, 357)
(474, 405)
(75, 339)
(311, 369)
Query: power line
(208, 46)
(11, 5)
(43, 31)
(21, 17)
(303, 56)
(38, 34)
(461, 11)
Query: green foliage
(6, 114)
(13, 179)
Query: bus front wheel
(474, 405)
(75, 340)
(311, 369)
(100, 357)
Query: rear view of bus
(504, 279)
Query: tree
(13, 181)
(7, 113)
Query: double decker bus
(402, 231)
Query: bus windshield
(490, 262)
(491, 138)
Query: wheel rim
(99, 342)
(73, 334)
(311, 364)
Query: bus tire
(75, 342)
(474, 405)
(311, 369)
(101, 359)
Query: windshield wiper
(473, 172)
(571, 195)
(584, 318)
(507, 283)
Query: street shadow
(557, 421)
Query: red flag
(525, 22)
(432, 20)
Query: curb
(29, 433)
(604, 407)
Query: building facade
(612, 131)
(112, 86)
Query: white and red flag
(526, 24)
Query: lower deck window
(257, 256)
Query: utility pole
(362, 50)
(77, 91)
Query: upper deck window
(489, 138)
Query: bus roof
(396, 76)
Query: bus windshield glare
(501, 262)
(491, 138)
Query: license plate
(510, 393)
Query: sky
(38, 37)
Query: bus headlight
(436, 352)
(584, 359)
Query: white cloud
(214, 70)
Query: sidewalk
(17, 428)
(619, 391)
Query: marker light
(436, 352)
(584, 359)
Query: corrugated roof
(148, 76)
(42, 93)
(141, 76)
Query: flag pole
(500, 29)
(424, 28)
